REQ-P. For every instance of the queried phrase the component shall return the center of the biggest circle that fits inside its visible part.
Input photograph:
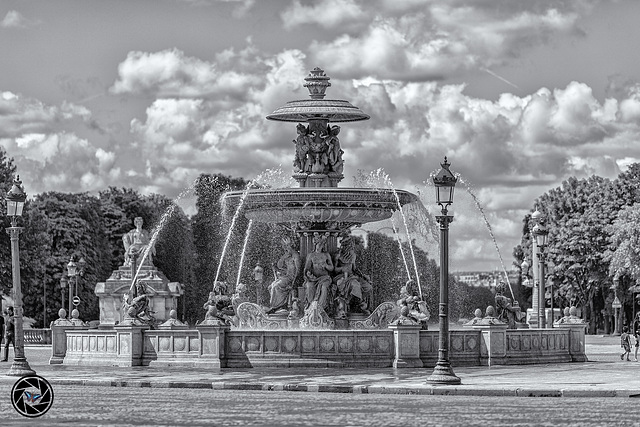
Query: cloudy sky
(148, 94)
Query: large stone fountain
(320, 312)
(328, 286)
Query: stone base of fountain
(222, 347)
(162, 299)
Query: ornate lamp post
(73, 271)
(542, 237)
(63, 285)
(15, 203)
(445, 183)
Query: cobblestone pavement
(605, 375)
(87, 406)
(377, 397)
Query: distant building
(485, 279)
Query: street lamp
(445, 183)
(15, 203)
(74, 270)
(63, 285)
(542, 237)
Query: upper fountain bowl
(319, 205)
(318, 108)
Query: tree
(74, 224)
(577, 214)
(208, 237)
(7, 174)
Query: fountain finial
(317, 83)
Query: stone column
(406, 340)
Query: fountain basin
(353, 205)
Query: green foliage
(208, 238)
(580, 218)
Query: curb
(357, 389)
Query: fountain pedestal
(162, 299)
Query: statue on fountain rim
(136, 306)
(219, 307)
(317, 268)
(352, 288)
(285, 270)
(507, 312)
(413, 310)
(136, 242)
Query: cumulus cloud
(14, 19)
(425, 40)
(326, 13)
(170, 73)
(46, 150)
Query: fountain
(318, 210)
(320, 313)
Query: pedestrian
(1, 328)
(624, 343)
(10, 334)
(636, 335)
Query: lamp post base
(443, 374)
(20, 368)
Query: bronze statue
(300, 162)
(286, 271)
(316, 273)
(334, 152)
(136, 242)
(413, 310)
(136, 305)
(507, 312)
(219, 307)
(352, 288)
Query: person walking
(636, 335)
(624, 343)
(1, 328)
(10, 334)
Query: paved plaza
(604, 375)
(598, 392)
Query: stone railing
(37, 336)
(397, 346)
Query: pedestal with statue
(118, 293)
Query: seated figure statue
(317, 280)
(413, 310)
(286, 271)
(506, 311)
(353, 291)
(136, 242)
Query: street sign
(616, 303)
(76, 300)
